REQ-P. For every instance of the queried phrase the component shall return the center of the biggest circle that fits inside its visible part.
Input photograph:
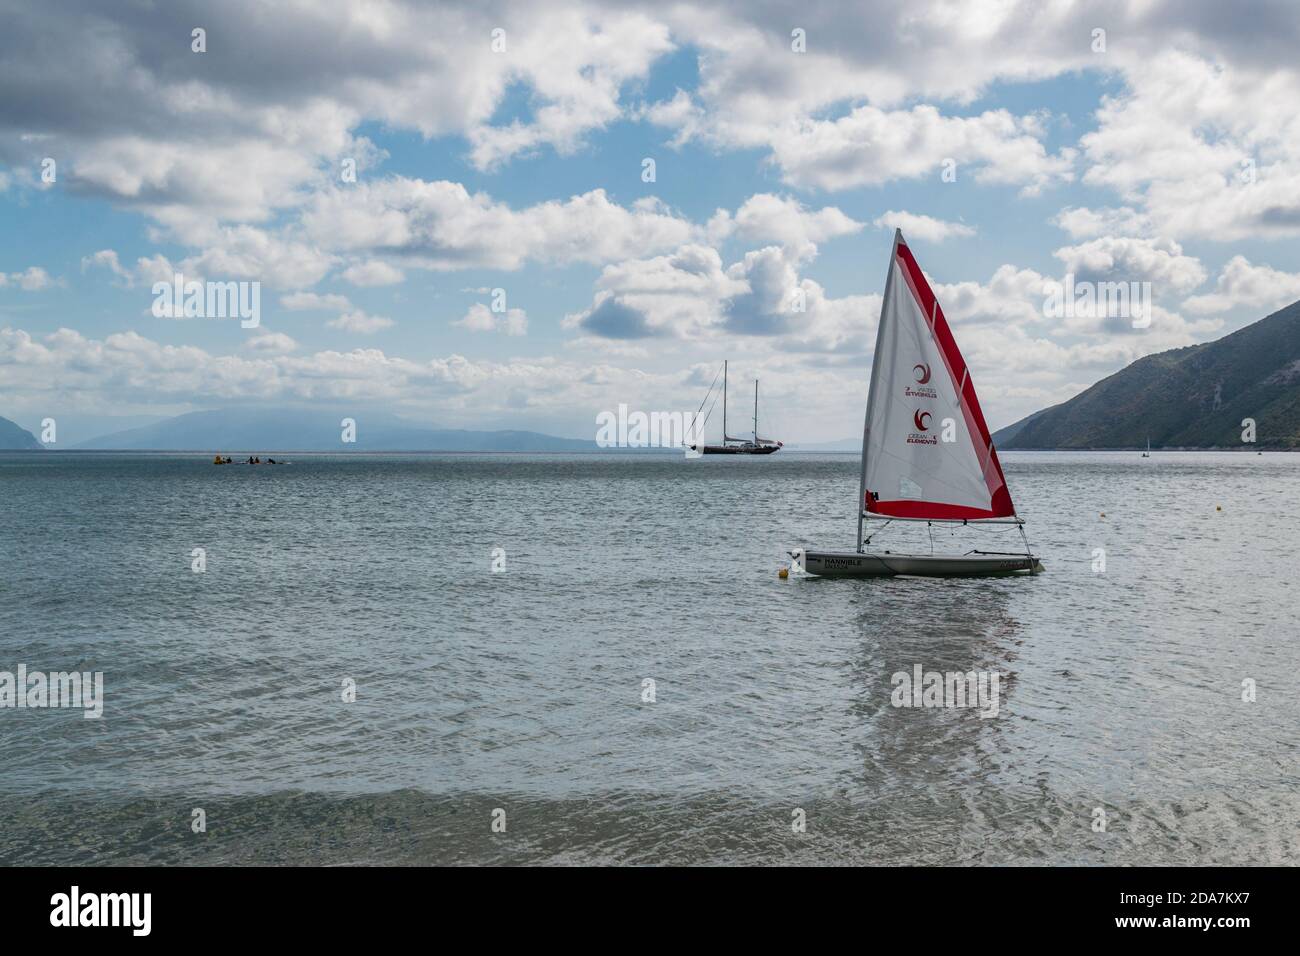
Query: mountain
(12, 437)
(1005, 436)
(262, 430)
(1194, 397)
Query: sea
(593, 659)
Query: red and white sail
(926, 450)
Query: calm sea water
(522, 689)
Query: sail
(926, 449)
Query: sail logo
(638, 429)
(1084, 299)
(947, 690)
(921, 419)
(923, 388)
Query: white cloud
(441, 225)
(360, 323)
(1243, 284)
(689, 295)
(926, 228)
(1083, 223)
(480, 318)
(315, 302)
(1199, 143)
(273, 258)
(107, 258)
(679, 113)
(371, 273)
(250, 134)
(764, 217)
(271, 343)
(874, 98)
(31, 279)
(156, 268)
(576, 61)
(1159, 261)
(871, 146)
(127, 368)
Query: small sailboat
(926, 451)
(735, 446)
(1147, 453)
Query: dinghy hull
(852, 564)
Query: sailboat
(1147, 453)
(736, 446)
(926, 451)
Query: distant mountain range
(1194, 397)
(263, 430)
(15, 438)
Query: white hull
(884, 564)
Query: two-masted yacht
(732, 446)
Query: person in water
(270, 461)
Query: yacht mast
(724, 401)
(755, 411)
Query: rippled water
(522, 690)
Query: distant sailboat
(919, 384)
(736, 446)
(1147, 453)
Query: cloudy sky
(504, 146)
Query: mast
(724, 401)
(755, 411)
(875, 355)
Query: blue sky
(520, 169)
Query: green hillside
(1194, 397)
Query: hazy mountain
(12, 437)
(1194, 397)
(265, 430)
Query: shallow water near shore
(523, 689)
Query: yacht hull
(852, 564)
(740, 449)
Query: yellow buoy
(783, 573)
